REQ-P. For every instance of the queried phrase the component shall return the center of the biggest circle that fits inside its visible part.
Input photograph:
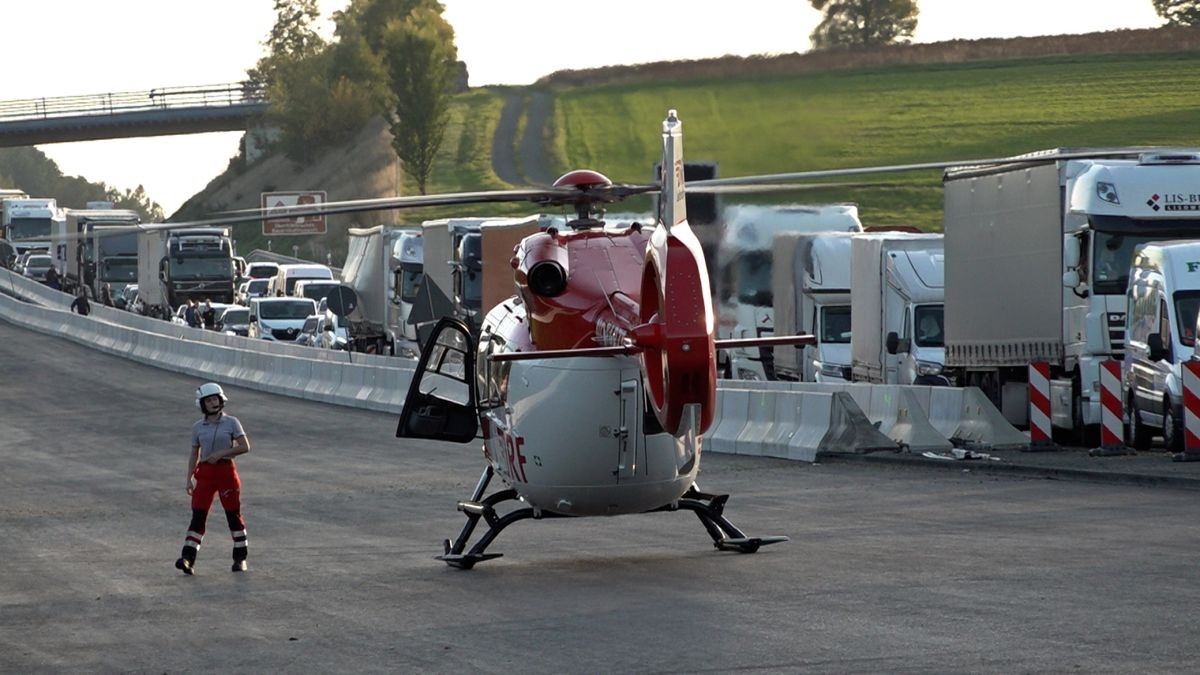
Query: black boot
(238, 566)
(184, 565)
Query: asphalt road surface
(890, 569)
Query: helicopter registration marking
(513, 456)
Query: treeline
(394, 58)
(30, 170)
(1148, 40)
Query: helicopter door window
(441, 402)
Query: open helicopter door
(441, 402)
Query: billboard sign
(294, 224)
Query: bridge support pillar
(259, 137)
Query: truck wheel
(1137, 435)
(1172, 428)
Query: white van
(284, 281)
(314, 289)
(1160, 334)
(279, 318)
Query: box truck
(810, 288)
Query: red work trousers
(219, 479)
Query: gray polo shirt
(213, 436)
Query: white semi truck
(27, 223)
(1038, 257)
(810, 283)
(743, 274)
(897, 297)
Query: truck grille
(285, 333)
(1116, 334)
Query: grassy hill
(885, 116)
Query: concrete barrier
(297, 371)
(751, 439)
(735, 410)
(984, 427)
(812, 411)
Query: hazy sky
(67, 47)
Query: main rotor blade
(753, 188)
(1031, 158)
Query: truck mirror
(1070, 279)
(1155, 344)
(893, 343)
(1071, 253)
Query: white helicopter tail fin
(672, 205)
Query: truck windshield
(835, 325)
(201, 268)
(753, 280)
(929, 325)
(1187, 306)
(287, 310)
(119, 269)
(1113, 254)
(29, 228)
(410, 282)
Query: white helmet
(210, 389)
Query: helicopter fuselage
(575, 436)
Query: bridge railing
(164, 98)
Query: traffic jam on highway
(1055, 263)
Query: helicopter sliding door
(441, 402)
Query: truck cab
(28, 224)
(897, 299)
(408, 251)
(1162, 304)
(811, 295)
(743, 274)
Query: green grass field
(881, 116)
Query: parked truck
(810, 289)
(383, 269)
(75, 246)
(114, 258)
(1039, 253)
(27, 223)
(743, 275)
(175, 265)
(897, 297)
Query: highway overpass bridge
(157, 112)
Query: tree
(292, 39)
(864, 23)
(1179, 12)
(420, 56)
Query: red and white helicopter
(593, 385)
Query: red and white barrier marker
(1191, 412)
(1112, 422)
(1039, 404)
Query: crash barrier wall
(356, 384)
(797, 425)
(917, 418)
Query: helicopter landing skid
(486, 509)
(710, 510)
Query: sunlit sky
(66, 48)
